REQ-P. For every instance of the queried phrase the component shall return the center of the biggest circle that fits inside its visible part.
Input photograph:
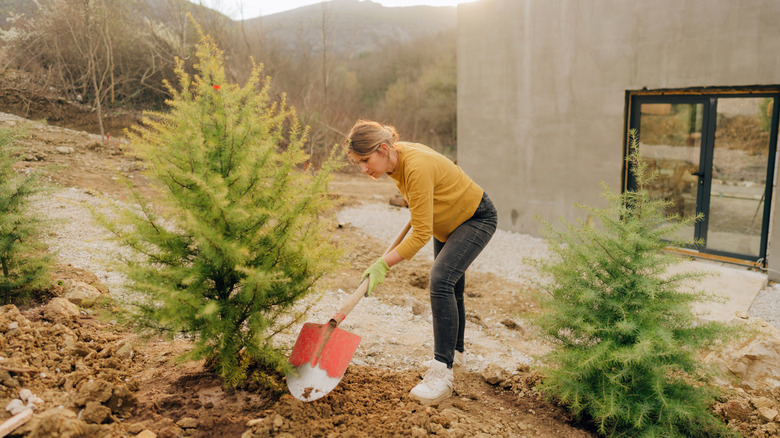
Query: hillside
(387, 63)
(9, 7)
(353, 26)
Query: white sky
(254, 8)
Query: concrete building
(548, 89)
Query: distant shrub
(625, 337)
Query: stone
(418, 308)
(65, 149)
(754, 362)
(254, 422)
(94, 390)
(54, 422)
(767, 414)
(737, 410)
(135, 428)
(11, 312)
(122, 401)
(125, 351)
(15, 406)
(511, 324)
(188, 423)
(758, 402)
(171, 432)
(8, 380)
(418, 432)
(25, 394)
(96, 413)
(80, 293)
(146, 434)
(450, 415)
(494, 374)
(60, 310)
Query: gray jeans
(448, 280)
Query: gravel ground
(766, 305)
(78, 240)
(506, 255)
(506, 252)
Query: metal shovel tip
(310, 383)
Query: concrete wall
(542, 87)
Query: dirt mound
(96, 379)
(371, 402)
(75, 364)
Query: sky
(255, 8)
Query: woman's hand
(376, 274)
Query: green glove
(376, 274)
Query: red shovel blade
(320, 358)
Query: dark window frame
(709, 97)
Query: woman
(444, 204)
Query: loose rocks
(80, 293)
(754, 362)
(494, 374)
(61, 310)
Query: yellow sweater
(440, 195)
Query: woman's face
(375, 164)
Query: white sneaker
(436, 384)
(458, 361)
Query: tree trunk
(98, 103)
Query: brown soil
(109, 383)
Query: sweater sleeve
(419, 184)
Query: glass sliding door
(715, 155)
(670, 143)
(739, 175)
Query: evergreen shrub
(24, 261)
(625, 338)
(235, 236)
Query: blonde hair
(366, 137)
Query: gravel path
(506, 255)
(766, 305)
(506, 252)
(76, 239)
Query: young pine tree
(235, 237)
(625, 337)
(24, 263)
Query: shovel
(323, 351)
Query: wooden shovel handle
(353, 299)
